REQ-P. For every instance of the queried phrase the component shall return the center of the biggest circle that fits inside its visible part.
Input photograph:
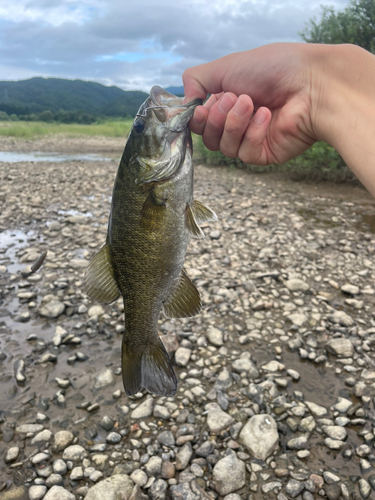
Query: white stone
(260, 436)
(104, 378)
(74, 453)
(59, 493)
(215, 336)
(218, 420)
(340, 347)
(62, 440)
(144, 410)
(96, 310)
(182, 356)
(113, 488)
(297, 285)
(228, 475)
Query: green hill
(56, 94)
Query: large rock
(341, 318)
(113, 488)
(218, 420)
(228, 475)
(59, 493)
(260, 436)
(340, 347)
(52, 309)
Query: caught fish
(153, 215)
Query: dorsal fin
(100, 282)
(185, 300)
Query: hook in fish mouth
(196, 102)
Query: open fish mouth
(161, 99)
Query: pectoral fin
(160, 170)
(192, 225)
(100, 282)
(185, 300)
(202, 213)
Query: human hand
(261, 108)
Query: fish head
(160, 134)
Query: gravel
(274, 374)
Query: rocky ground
(276, 375)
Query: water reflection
(16, 157)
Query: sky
(137, 44)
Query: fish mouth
(172, 108)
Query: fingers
(214, 126)
(252, 148)
(237, 121)
(198, 121)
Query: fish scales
(153, 215)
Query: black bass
(152, 217)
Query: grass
(33, 130)
(319, 163)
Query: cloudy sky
(137, 44)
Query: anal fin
(185, 301)
(100, 282)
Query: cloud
(137, 44)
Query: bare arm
(272, 103)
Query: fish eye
(139, 126)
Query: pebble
(37, 492)
(104, 378)
(62, 439)
(215, 336)
(183, 456)
(74, 453)
(143, 410)
(218, 420)
(182, 356)
(12, 454)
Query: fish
(152, 218)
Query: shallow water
(16, 157)
(11, 241)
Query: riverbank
(287, 334)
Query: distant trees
(355, 24)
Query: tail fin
(150, 370)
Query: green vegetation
(355, 24)
(319, 163)
(67, 101)
(32, 130)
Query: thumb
(202, 80)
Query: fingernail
(260, 117)
(240, 108)
(225, 104)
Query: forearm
(343, 105)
